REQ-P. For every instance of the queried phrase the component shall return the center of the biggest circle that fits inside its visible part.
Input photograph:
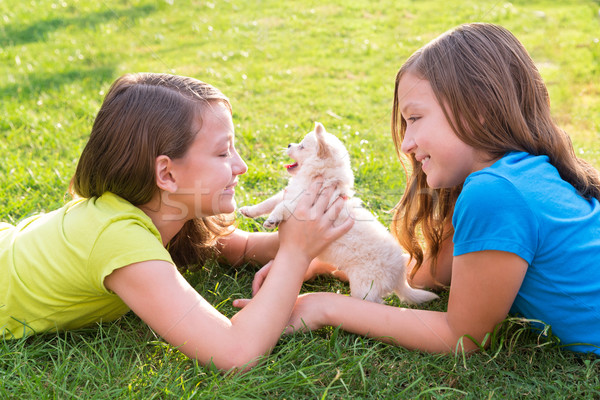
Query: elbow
(238, 362)
(237, 358)
(468, 340)
(469, 344)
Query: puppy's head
(319, 150)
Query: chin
(227, 208)
(441, 185)
(432, 184)
(221, 208)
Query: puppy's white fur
(371, 258)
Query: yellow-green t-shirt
(52, 266)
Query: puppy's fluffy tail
(411, 295)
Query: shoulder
(497, 211)
(516, 177)
(112, 233)
(123, 225)
(499, 193)
(522, 169)
(109, 212)
(490, 191)
(523, 179)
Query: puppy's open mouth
(291, 167)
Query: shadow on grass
(38, 83)
(16, 34)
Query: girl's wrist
(295, 254)
(319, 305)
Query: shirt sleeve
(491, 214)
(121, 243)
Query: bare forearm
(266, 316)
(443, 272)
(413, 329)
(241, 247)
(262, 247)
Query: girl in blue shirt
(509, 215)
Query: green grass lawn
(283, 65)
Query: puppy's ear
(323, 149)
(319, 128)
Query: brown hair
(143, 116)
(495, 100)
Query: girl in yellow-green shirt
(159, 172)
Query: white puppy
(369, 255)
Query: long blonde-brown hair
(143, 116)
(495, 100)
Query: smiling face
(207, 174)
(300, 152)
(320, 149)
(444, 158)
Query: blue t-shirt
(521, 205)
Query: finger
(344, 221)
(323, 198)
(314, 190)
(260, 277)
(257, 283)
(310, 194)
(336, 208)
(340, 230)
(241, 303)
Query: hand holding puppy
(310, 228)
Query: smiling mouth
(291, 167)
(231, 187)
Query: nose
(289, 145)
(408, 143)
(238, 167)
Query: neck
(166, 219)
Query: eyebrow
(408, 106)
(226, 140)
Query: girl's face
(444, 158)
(206, 175)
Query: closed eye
(412, 119)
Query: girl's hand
(313, 225)
(315, 268)
(260, 277)
(307, 314)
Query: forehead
(213, 124)
(414, 91)
(214, 117)
(309, 138)
(214, 113)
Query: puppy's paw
(271, 223)
(246, 211)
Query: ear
(319, 128)
(323, 149)
(165, 180)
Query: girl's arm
(484, 286)
(241, 246)
(159, 295)
(424, 278)
(260, 247)
(315, 268)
